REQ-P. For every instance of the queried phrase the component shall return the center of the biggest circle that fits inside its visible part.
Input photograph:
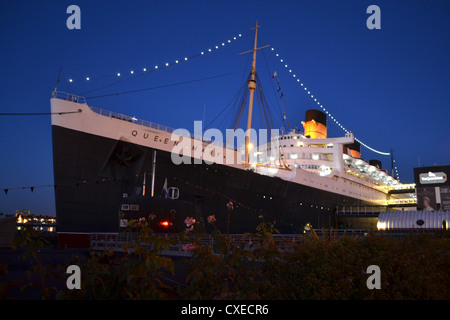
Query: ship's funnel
(375, 163)
(315, 124)
(354, 149)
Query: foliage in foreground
(412, 267)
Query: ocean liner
(109, 168)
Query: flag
(274, 74)
(279, 88)
(281, 95)
(165, 190)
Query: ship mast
(251, 88)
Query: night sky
(390, 86)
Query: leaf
(130, 279)
(125, 247)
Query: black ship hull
(92, 174)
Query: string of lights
(145, 70)
(396, 170)
(133, 73)
(320, 105)
(165, 86)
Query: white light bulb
(87, 78)
(70, 80)
(156, 67)
(167, 64)
(131, 71)
(185, 59)
(118, 74)
(145, 69)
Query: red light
(164, 223)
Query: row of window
(313, 156)
(306, 166)
(309, 146)
(322, 207)
(317, 207)
(288, 137)
(129, 207)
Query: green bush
(412, 267)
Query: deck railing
(116, 241)
(124, 117)
(145, 123)
(68, 96)
(157, 126)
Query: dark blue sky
(390, 87)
